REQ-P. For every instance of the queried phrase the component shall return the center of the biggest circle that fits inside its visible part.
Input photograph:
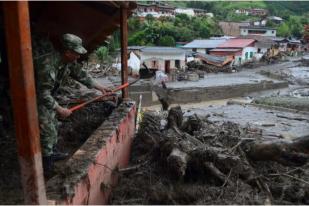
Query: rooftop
(135, 47)
(225, 50)
(206, 43)
(236, 43)
(164, 50)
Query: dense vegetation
(182, 28)
(166, 31)
(294, 14)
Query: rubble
(208, 68)
(274, 58)
(194, 161)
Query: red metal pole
(22, 85)
(124, 48)
(77, 107)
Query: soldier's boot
(58, 155)
(48, 166)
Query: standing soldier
(52, 68)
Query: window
(177, 64)
(246, 55)
(251, 54)
(256, 31)
(272, 31)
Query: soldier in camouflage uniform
(52, 68)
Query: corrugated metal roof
(135, 47)
(163, 50)
(225, 50)
(236, 43)
(204, 43)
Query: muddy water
(203, 104)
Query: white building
(163, 58)
(257, 30)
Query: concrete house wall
(251, 31)
(158, 61)
(248, 54)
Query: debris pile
(189, 160)
(208, 68)
(272, 59)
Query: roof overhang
(93, 21)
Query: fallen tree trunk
(180, 150)
(294, 153)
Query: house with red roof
(242, 50)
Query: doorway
(167, 66)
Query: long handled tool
(77, 107)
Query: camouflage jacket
(51, 72)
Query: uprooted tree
(195, 148)
(182, 150)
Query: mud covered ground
(10, 185)
(73, 132)
(219, 171)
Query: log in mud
(190, 160)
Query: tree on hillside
(295, 26)
(167, 41)
(201, 5)
(283, 30)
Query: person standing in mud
(51, 69)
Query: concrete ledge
(90, 173)
(186, 95)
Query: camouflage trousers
(48, 129)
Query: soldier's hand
(101, 88)
(105, 90)
(63, 112)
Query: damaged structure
(241, 49)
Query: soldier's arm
(45, 83)
(80, 75)
(46, 80)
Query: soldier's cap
(74, 43)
